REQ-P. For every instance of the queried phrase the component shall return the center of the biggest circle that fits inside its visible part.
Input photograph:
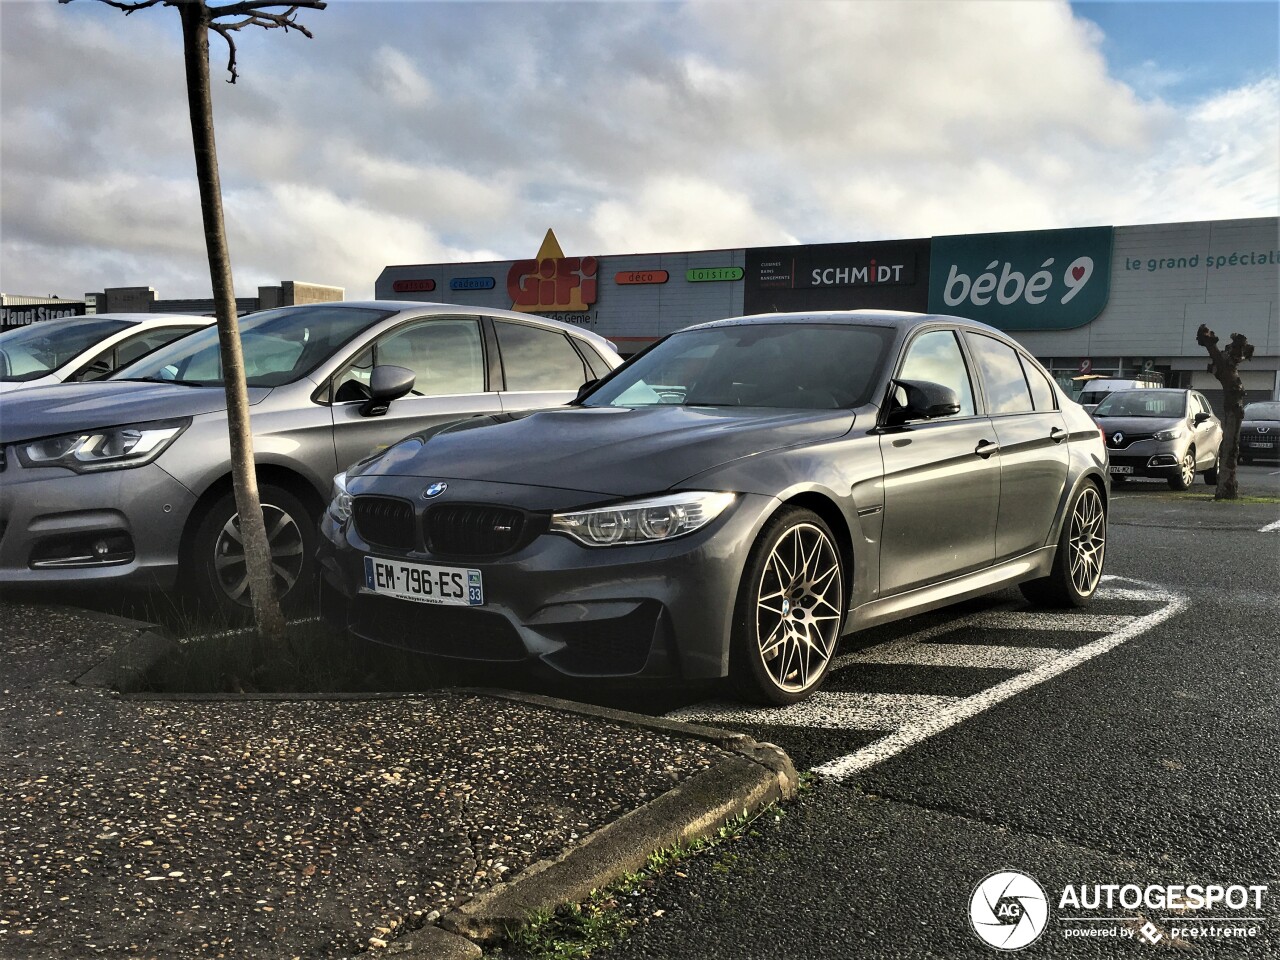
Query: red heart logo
(1078, 272)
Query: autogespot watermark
(1009, 910)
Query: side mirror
(1200, 418)
(386, 383)
(585, 389)
(924, 400)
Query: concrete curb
(121, 670)
(753, 776)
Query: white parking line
(828, 711)
(1270, 527)
(910, 653)
(919, 730)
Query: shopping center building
(1102, 300)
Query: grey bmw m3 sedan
(728, 503)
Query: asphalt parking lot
(1128, 743)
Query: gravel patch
(278, 828)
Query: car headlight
(340, 499)
(642, 521)
(112, 448)
(1173, 433)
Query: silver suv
(127, 480)
(1170, 434)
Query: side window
(446, 357)
(594, 361)
(936, 357)
(1204, 405)
(1041, 391)
(100, 366)
(352, 383)
(1007, 390)
(537, 359)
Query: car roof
(137, 319)
(897, 319)
(437, 307)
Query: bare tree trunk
(195, 47)
(1225, 366)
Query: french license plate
(423, 582)
(1258, 445)
(1119, 468)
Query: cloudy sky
(425, 132)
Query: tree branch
(253, 15)
(253, 8)
(127, 7)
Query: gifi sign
(1045, 280)
(553, 283)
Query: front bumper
(643, 610)
(116, 527)
(1264, 446)
(1147, 458)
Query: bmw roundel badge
(434, 490)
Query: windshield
(34, 351)
(279, 347)
(786, 365)
(1160, 404)
(1262, 411)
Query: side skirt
(1029, 566)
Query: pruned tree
(199, 17)
(1225, 365)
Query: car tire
(1186, 475)
(1211, 475)
(1077, 567)
(215, 564)
(789, 610)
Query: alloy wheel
(1088, 541)
(798, 607)
(287, 554)
(1188, 469)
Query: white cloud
(421, 132)
(701, 213)
(396, 77)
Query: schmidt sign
(1046, 280)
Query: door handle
(986, 448)
(1057, 434)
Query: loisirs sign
(1041, 280)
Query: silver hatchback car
(127, 480)
(1169, 434)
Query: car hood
(1147, 425)
(67, 407)
(607, 450)
(1269, 425)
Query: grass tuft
(574, 931)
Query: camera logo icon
(1008, 910)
